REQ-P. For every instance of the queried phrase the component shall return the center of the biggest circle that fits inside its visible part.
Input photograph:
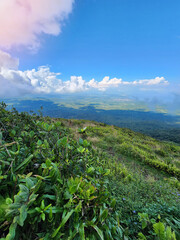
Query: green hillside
(78, 179)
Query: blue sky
(120, 38)
(132, 40)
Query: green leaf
(141, 236)
(65, 219)
(50, 214)
(38, 209)
(39, 143)
(50, 128)
(84, 129)
(62, 141)
(81, 231)
(72, 235)
(67, 195)
(48, 163)
(46, 208)
(25, 162)
(23, 215)
(85, 143)
(98, 231)
(159, 229)
(31, 134)
(12, 232)
(104, 215)
(78, 207)
(107, 172)
(81, 149)
(43, 216)
(52, 197)
(9, 201)
(43, 165)
(5, 162)
(90, 170)
(144, 224)
(113, 203)
(29, 183)
(42, 204)
(81, 141)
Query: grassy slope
(138, 185)
(144, 172)
(130, 148)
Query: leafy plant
(54, 186)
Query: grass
(138, 186)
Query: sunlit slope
(123, 142)
(144, 176)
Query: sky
(68, 46)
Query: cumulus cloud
(14, 82)
(42, 81)
(115, 82)
(155, 81)
(22, 21)
(105, 83)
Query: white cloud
(75, 84)
(155, 81)
(14, 82)
(6, 61)
(42, 81)
(105, 83)
(23, 21)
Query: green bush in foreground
(52, 187)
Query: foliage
(160, 230)
(55, 183)
(52, 186)
(137, 186)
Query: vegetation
(157, 125)
(70, 179)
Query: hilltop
(80, 179)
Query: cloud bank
(22, 21)
(14, 82)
